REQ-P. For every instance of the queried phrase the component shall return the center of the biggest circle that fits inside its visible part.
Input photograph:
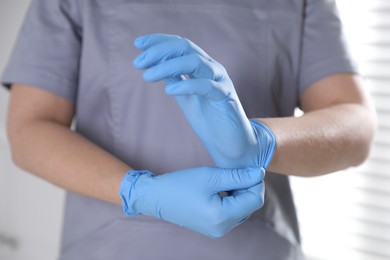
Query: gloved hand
(208, 99)
(190, 198)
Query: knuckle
(186, 44)
(216, 70)
(196, 59)
(216, 219)
(257, 205)
(219, 71)
(258, 202)
(217, 233)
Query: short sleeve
(47, 50)
(324, 50)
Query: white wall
(30, 209)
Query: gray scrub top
(82, 50)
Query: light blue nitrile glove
(190, 198)
(208, 99)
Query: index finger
(145, 41)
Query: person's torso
(258, 42)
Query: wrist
(266, 142)
(128, 191)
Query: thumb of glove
(234, 179)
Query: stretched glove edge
(267, 140)
(129, 180)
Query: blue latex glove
(208, 99)
(190, 198)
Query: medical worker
(183, 132)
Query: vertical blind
(346, 215)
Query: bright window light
(346, 215)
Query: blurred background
(342, 216)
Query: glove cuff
(126, 191)
(266, 141)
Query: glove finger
(192, 65)
(234, 179)
(244, 203)
(166, 50)
(173, 80)
(145, 41)
(202, 87)
(254, 189)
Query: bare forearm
(322, 141)
(65, 158)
